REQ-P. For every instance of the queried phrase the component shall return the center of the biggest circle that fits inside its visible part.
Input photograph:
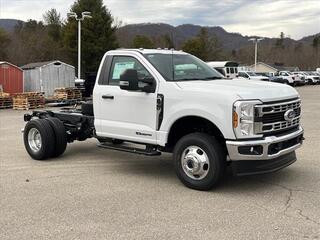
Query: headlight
(243, 118)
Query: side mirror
(148, 85)
(129, 80)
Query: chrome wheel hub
(34, 140)
(195, 162)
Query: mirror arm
(147, 80)
(148, 89)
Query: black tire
(47, 139)
(60, 136)
(215, 154)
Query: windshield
(251, 74)
(182, 67)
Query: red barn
(11, 78)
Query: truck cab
(171, 101)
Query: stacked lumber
(5, 100)
(28, 100)
(69, 93)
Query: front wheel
(199, 161)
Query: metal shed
(11, 78)
(46, 76)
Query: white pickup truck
(171, 101)
(252, 76)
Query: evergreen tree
(203, 46)
(98, 34)
(54, 24)
(168, 41)
(141, 41)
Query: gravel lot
(94, 193)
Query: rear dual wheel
(45, 138)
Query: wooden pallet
(28, 100)
(5, 100)
(67, 94)
(27, 107)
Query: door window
(122, 63)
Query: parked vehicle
(272, 77)
(171, 101)
(316, 73)
(252, 76)
(312, 78)
(290, 78)
(227, 68)
(302, 77)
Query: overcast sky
(296, 18)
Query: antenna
(172, 64)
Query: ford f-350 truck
(171, 101)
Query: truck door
(122, 114)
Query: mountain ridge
(180, 33)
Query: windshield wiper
(198, 79)
(187, 79)
(211, 78)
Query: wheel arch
(191, 124)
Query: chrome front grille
(270, 117)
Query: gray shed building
(46, 76)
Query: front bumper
(265, 149)
(245, 168)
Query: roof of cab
(149, 51)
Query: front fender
(220, 116)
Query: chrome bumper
(235, 155)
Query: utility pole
(79, 19)
(255, 40)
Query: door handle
(107, 97)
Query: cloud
(295, 18)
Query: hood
(243, 89)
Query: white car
(312, 77)
(172, 102)
(291, 79)
(252, 76)
(302, 76)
